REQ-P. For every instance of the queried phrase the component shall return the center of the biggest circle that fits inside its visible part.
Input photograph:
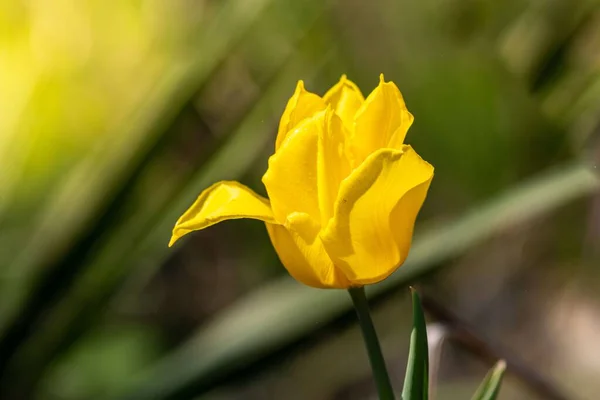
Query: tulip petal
(305, 173)
(302, 253)
(302, 105)
(345, 98)
(291, 179)
(382, 121)
(371, 231)
(222, 201)
(332, 162)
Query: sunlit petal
(345, 98)
(381, 122)
(302, 105)
(302, 253)
(332, 163)
(291, 179)
(305, 173)
(222, 201)
(371, 231)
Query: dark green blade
(490, 387)
(416, 382)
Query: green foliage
(490, 387)
(115, 115)
(416, 382)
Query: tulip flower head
(344, 190)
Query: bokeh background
(115, 115)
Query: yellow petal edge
(345, 98)
(381, 122)
(371, 231)
(303, 104)
(222, 201)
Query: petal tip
(381, 78)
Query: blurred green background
(115, 115)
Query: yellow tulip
(344, 189)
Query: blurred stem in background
(382, 380)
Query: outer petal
(305, 173)
(345, 98)
(222, 201)
(301, 105)
(371, 231)
(382, 121)
(291, 179)
(302, 253)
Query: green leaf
(490, 387)
(416, 382)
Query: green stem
(382, 380)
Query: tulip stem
(382, 380)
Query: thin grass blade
(490, 387)
(416, 382)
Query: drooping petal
(345, 98)
(302, 253)
(305, 173)
(382, 121)
(222, 201)
(371, 231)
(302, 104)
